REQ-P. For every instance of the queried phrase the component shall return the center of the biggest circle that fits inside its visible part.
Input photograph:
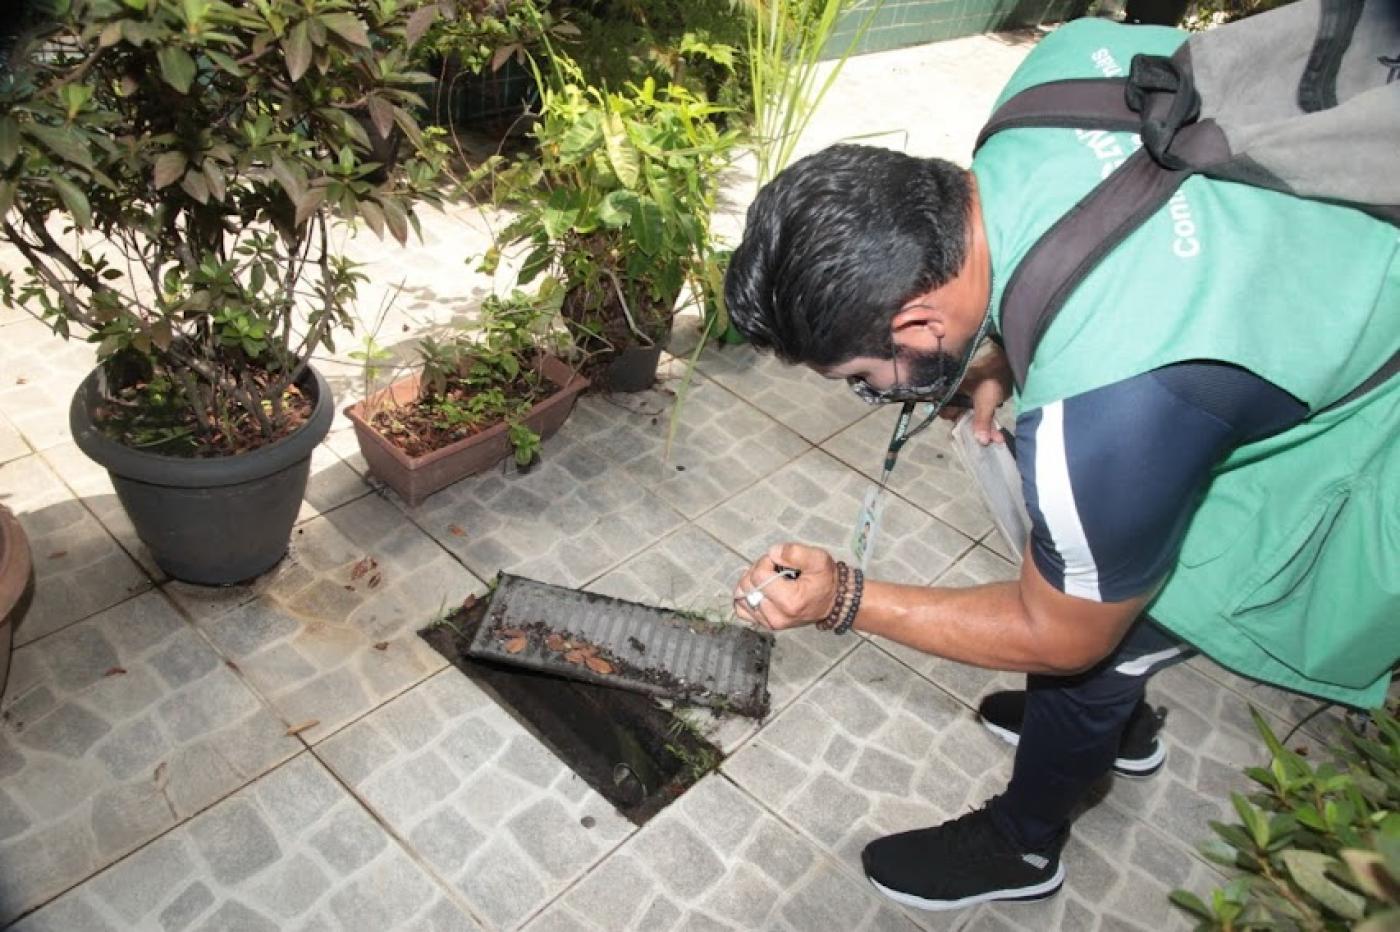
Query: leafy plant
(199, 152)
(482, 375)
(1318, 848)
(695, 43)
(786, 42)
(617, 203)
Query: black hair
(837, 243)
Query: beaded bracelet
(854, 606)
(827, 623)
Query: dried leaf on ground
(516, 644)
(510, 633)
(349, 588)
(600, 666)
(469, 603)
(556, 643)
(375, 580)
(302, 726)
(115, 671)
(456, 530)
(588, 650)
(382, 645)
(58, 554)
(574, 656)
(159, 776)
(362, 567)
(232, 666)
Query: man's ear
(918, 327)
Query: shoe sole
(1018, 894)
(1134, 769)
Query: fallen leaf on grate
(599, 665)
(575, 656)
(510, 632)
(557, 643)
(303, 726)
(516, 644)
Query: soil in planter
(150, 413)
(418, 430)
(629, 749)
(616, 334)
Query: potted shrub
(491, 390)
(171, 172)
(616, 203)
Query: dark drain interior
(636, 754)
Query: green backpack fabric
(1290, 570)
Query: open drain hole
(635, 754)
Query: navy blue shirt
(1112, 477)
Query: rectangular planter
(417, 477)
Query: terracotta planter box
(417, 477)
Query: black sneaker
(1140, 752)
(960, 863)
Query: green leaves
(647, 225)
(177, 68)
(74, 200)
(625, 160)
(9, 140)
(560, 213)
(1310, 869)
(169, 167)
(347, 26)
(296, 45)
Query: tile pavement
(148, 780)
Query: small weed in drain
(695, 763)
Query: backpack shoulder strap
(1067, 252)
(1074, 103)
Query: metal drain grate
(643, 648)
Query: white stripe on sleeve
(1056, 498)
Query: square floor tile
(716, 860)
(927, 473)
(79, 568)
(39, 372)
(721, 444)
(12, 445)
(332, 633)
(566, 521)
(794, 396)
(293, 850)
(93, 485)
(492, 811)
(816, 500)
(114, 729)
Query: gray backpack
(1304, 99)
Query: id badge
(867, 526)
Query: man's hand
(788, 603)
(988, 384)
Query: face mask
(948, 376)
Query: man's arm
(1027, 625)
(1111, 479)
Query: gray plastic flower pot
(209, 521)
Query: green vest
(1290, 568)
